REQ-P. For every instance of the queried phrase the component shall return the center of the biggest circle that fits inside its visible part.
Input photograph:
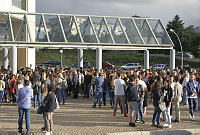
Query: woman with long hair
(156, 91)
(37, 88)
(167, 90)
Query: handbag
(162, 106)
(40, 110)
(57, 106)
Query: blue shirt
(99, 82)
(24, 96)
(192, 86)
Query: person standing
(177, 98)
(156, 101)
(50, 104)
(99, 83)
(59, 87)
(133, 100)
(12, 88)
(75, 84)
(23, 99)
(2, 87)
(192, 89)
(37, 88)
(167, 90)
(119, 94)
(87, 82)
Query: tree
(178, 26)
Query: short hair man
(23, 99)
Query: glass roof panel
(40, 34)
(54, 29)
(116, 30)
(19, 27)
(70, 29)
(4, 28)
(101, 30)
(145, 31)
(159, 32)
(86, 30)
(131, 31)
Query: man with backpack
(133, 100)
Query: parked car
(86, 64)
(131, 66)
(159, 66)
(185, 54)
(107, 65)
(51, 63)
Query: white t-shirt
(119, 86)
(141, 82)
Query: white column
(80, 58)
(98, 59)
(172, 59)
(14, 59)
(5, 58)
(31, 58)
(146, 59)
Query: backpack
(64, 84)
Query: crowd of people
(130, 90)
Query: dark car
(107, 65)
(51, 63)
(86, 64)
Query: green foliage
(189, 39)
(118, 58)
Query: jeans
(1, 96)
(27, 117)
(140, 112)
(167, 116)
(112, 98)
(104, 98)
(193, 105)
(98, 96)
(37, 97)
(86, 91)
(156, 115)
(61, 92)
(185, 99)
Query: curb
(162, 132)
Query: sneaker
(190, 116)
(93, 106)
(133, 125)
(1, 107)
(176, 121)
(130, 124)
(193, 118)
(159, 126)
(153, 125)
(137, 121)
(143, 121)
(170, 126)
(165, 125)
(114, 114)
(125, 115)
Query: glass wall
(17, 3)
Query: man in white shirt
(119, 94)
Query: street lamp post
(180, 46)
(61, 51)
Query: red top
(12, 83)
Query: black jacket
(156, 96)
(168, 96)
(132, 93)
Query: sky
(188, 10)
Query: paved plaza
(78, 117)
